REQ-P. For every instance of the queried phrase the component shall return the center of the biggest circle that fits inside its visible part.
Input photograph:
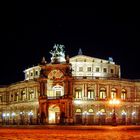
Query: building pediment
(84, 58)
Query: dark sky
(29, 31)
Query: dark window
(36, 73)
(80, 68)
(88, 68)
(97, 69)
(104, 69)
(112, 71)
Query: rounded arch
(102, 93)
(90, 110)
(78, 110)
(123, 94)
(113, 93)
(78, 92)
(53, 114)
(91, 93)
(78, 116)
(56, 92)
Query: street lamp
(134, 117)
(114, 102)
(13, 116)
(21, 118)
(85, 113)
(30, 114)
(8, 115)
(99, 114)
(3, 118)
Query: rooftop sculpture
(58, 54)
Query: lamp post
(3, 118)
(30, 114)
(99, 114)
(13, 116)
(21, 118)
(85, 113)
(114, 102)
(8, 115)
(134, 117)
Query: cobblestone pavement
(67, 134)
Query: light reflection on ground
(50, 134)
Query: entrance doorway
(54, 114)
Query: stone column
(66, 87)
(42, 88)
(85, 90)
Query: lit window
(58, 93)
(102, 93)
(80, 68)
(88, 68)
(105, 70)
(23, 95)
(78, 110)
(97, 69)
(123, 94)
(91, 94)
(78, 93)
(31, 94)
(113, 93)
(90, 110)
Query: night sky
(29, 31)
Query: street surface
(70, 133)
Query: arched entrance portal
(54, 114)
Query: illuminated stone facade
(74, 90)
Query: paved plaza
(70, 133)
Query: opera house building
(76, 90)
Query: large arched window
(91, 94)
(113, 93)
(12, 97)
(15, 96)
(102, 93)
(123, 94)
(78, 93)
(58, 91)
(23, 95)
(31, 94)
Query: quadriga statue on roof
(58, 54)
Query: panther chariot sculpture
(58, 54)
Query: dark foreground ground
(70, 133)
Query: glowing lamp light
(7, 114)
(85, 113)
(110, 113)
(124, 113)
(78, 102)
(13, 114)
(99, 113)
(21, 113)
(30, 113)
(3, 114)
(51, 117)
(114, 102)
(133, 113)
